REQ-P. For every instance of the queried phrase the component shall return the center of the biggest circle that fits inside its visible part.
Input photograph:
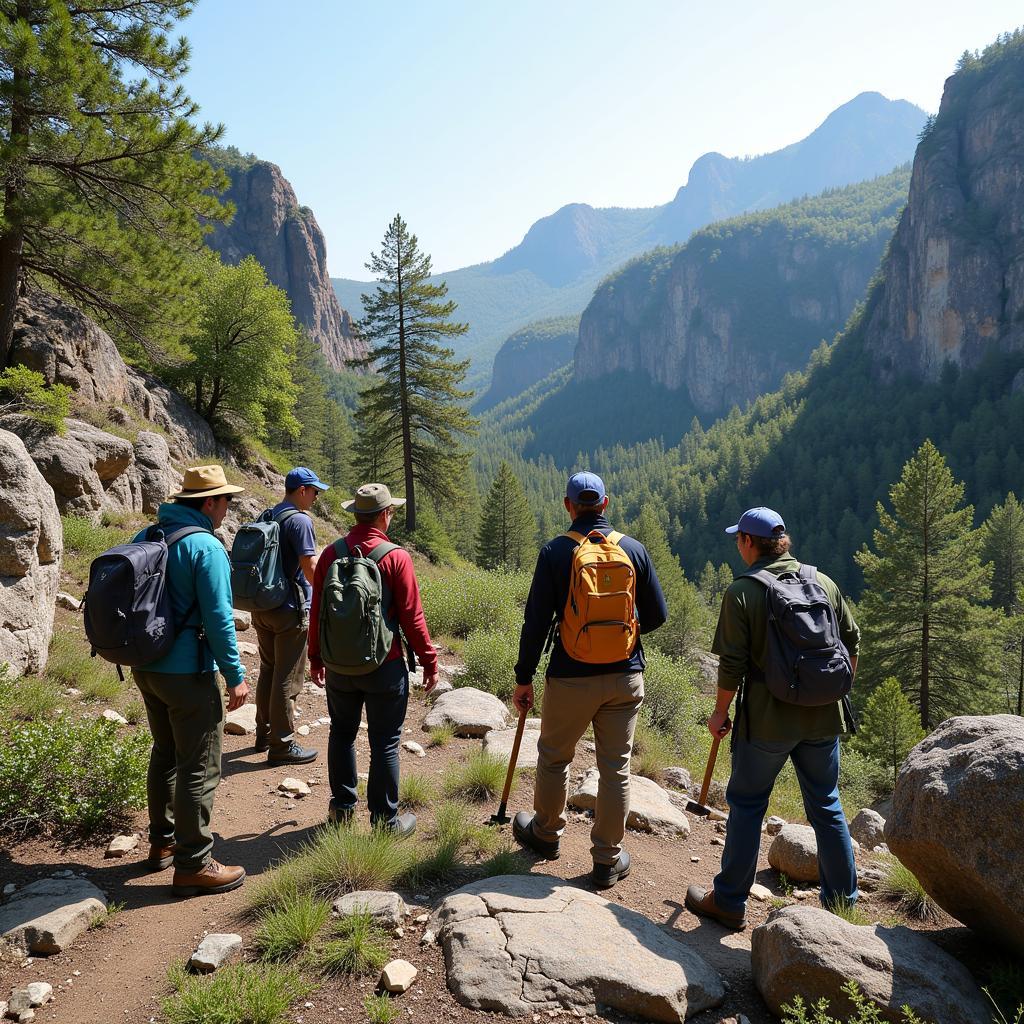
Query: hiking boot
(211, 878)
(340, 816)
(161, 856)
(293, 754)
(606, 875)
(404, 825)
(522, 829)
(701, 901)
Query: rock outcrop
(287, 241)
(49, 914)
(31, 544)
(953, 283)
(955, 822)
(469, 711)
(650, 808)
(811, 953)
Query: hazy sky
(473, 119)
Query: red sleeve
(405, 601)
(319, 575)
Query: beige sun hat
(206, 482)
(372, 498)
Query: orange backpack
(599, 625)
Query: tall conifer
(508, 532)
(888, 727)
(1003, 545)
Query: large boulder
(31, 543)
(157, 477)
(794, 852)
(955, 822)
(650, 808)
(512, 944)
(469, 711)
(808, 952)
(499, 743)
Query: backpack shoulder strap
(285, 514)
(614, 537)
(574, 535)
(181, 532)
(809, 573)
(341, 548)
(762, 576)
(381, 550)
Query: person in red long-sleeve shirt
(385, 691)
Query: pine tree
(921, 612)
(889, 728)
(1003, 545)
(101, 191)
(415, 405)
(508, 532)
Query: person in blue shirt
(184, 700)
(578, 694)
(281, 632)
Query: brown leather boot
(212, 878)
(701, 901)
(161, 855)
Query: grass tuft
(238, 994)
(28, 699)
(457, 833)
(380, 1009)
(480, 777)
(506, 860)
(415, 791)
(360, 948)
(70, 664)
(849, 912)
(289, 928)
(84, 540)
(653, 752)
(901, 884)
(440, 736)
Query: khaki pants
(611, 702)
(186, 718)
(282, 642)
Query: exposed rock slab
(650, 807)
(386, 908)
(48, 915)
(511, 944)
(794, 851)
(469, 711)
(971, 868)
(499, 742)
(31, 545)
(157, 478)
(215, 951)
(809, 952)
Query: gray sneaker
(292, 754)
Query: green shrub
(71, 664)
(862, 780)
(24, 390)
(361, 947)
(238, 994)
(459, 601)
(901, 884)
(480, 777)
(490, 658)
(290, 927)
(84, 540)
(415, 791)
(672, 699)
(28, 698)
(380, 1009)
(76, 776)
(653, 751)
(864, 1011)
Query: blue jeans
(755, 767)
(385, 693)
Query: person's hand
(317, 673)
(719, 724)
(429, 679)
(237, 695)
(523, 697)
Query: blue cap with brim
(302, 477)
(759, 522)
(585, 489)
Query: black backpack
(128, 615)
(805, 661)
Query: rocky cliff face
(530, 355)
(724, 318)
(953, 284)
(286, 239)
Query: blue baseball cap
(585, 489)
(759, 522)
(302, 477)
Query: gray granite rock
(868, 828)
(241, 721)
(386, 908)
(650, 807)
(469, 711)
(48, 915)
(498, 743)
(215, 951)
(794, 851)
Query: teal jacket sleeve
(212, 574)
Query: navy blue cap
(585, 489)
(759, 522)
(302, 477)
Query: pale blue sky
(474, 119)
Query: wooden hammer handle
(712, 757)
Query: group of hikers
(786, 641)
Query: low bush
(26, 391)
(901, 884)
(653, 752)
(238, 994)
(465, 599)
(490, 658)
(361, 948)
(480, 777)
(28, 698)
(75, 776)
(862, 780)
(864, 1011)
(288, 928)
(672, 699)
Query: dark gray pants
(186, 718)
(282, 643)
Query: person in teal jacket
(184, 700)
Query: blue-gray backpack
(805, 661)
(355, 635)
(258, 582)
(128, 615)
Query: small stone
(398, 976)
(804, 894)
(3, 1009)
(68, 601)
(414, 748)
(73, 691)
(26, 1016)
(215, 951)
(678, 778)
(325, 720)
(294, 787)
(428, 938)
(590, 747)
(121, 846)
(399, 933)
(695, 860)
(363, 727)
(241, 721)
(387, 909)
(303, 730)
(774, 825)
(307, 1006)
(421, 919)
(112, 716)
(243, 620)
(760, 892)
(248, 649)
(717, 841)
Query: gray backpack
(805, 661)
(258, 581)
(355, 635)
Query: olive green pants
(186, 718)
(281, 637)
(611, 702)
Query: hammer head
(501, 818)
(699, 809)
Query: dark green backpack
(355, 635)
